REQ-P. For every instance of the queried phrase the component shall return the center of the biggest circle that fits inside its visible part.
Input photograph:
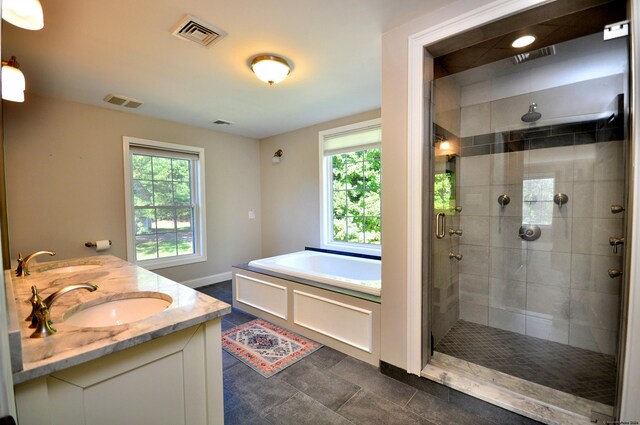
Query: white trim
(207, 280)
(326, 241)
(417, 43)
(369, 313)
(200, 223)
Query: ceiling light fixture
(270, 69)
(523, 41)
(13, 82)
(25, 14)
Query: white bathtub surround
(358, 274)
(346, 323)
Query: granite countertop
(73, 345)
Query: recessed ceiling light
(523, 41)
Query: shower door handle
(441, 223)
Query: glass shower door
(528, 180)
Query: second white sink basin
(109, 312)
(72, 269)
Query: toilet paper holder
(93, 244)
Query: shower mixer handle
(454, 255)
(453, 231)
(614, 242)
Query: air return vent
(127, 102)
(534, 54)
(198, 31)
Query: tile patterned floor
(569, 369)
(326, 387)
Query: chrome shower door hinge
(619, 29)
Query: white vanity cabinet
(172, 380)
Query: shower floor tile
(562, 367)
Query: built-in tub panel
(344, 322)
(266, 296)
(310, 324)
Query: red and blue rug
(265, 347)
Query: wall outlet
(252, 214)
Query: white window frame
(199, 224)
(326, 185)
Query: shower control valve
(614, 242)
(453, 231)
(454, 255)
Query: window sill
(353, 247)
(160, 263)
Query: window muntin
(350, 191)
(165, 208)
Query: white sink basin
(109, 312)
(72, 269)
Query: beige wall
(291, 189)
(64, 166)
(394, 169)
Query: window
(350, 192)
(164, 186)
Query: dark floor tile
(369, 377)
(319, 384)
(488, 411)
(239, 317)
(422, 384)
(243, 383)
(366, 408)
(236, 412)
(228, 360)
(302, 409)
(221, 291)
(441, 412)
(326, 357)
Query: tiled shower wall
(557, 287)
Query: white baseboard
(207, 280)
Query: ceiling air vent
(222, 122)
(127, 102)
(198, 31)
(534, 54)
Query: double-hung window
(350, 187)
(164, 186)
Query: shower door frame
(416, 230)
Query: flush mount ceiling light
(13, 83)
(270, 69)
(523, 41)
(25, 14)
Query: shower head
(532, 115)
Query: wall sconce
(277, 156)
(13, 82)
(25, 14)
(270, 69)
(444, 146)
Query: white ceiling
(89, 48)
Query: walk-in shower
(528, 218)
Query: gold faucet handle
(35, 299)
(19, 268)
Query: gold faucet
(41, 315)
(23, 264)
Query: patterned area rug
(265, 347)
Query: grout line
(349, 399)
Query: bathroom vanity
(111, 363)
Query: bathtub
(356, 274)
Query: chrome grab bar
(441, 223)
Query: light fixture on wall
(270, 69)
(277, 156)
(13, 82)
(25, 14)
(523, 41)
(444, 147)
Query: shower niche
(537, 160)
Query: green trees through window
(163, 207)
(356, 196)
